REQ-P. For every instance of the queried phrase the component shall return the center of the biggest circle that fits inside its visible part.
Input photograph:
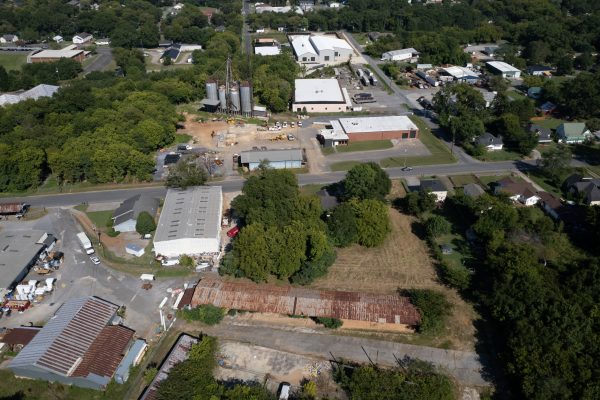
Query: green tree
(419, 202)
(205, 313)
(434, 309)
(367, 181)
(465, 128)
(342, 225)
(556, 163)
(331, 323)
(185, 174)
(437, 226)
(145, 223)
(372, 221)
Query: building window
(336, 54)
(325, 108)
(326, 58)
(312, 59)
(303, 58)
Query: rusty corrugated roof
(186, 299)
(107, 351)
(20, 336)
(11, 208)
(302, 301)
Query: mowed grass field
(12, 61)
(402, 262)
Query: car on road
(291, 137)
(407, 168)
(299, 124)
(95, 260)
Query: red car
(233, 231)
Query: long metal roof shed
(274, 155)
(18, 250)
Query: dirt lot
(240, 361)
(402, 262)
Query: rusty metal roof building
(291, 300)
(11, 208)
(20, 336)
(74, 343)
(178, 353)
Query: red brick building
(377, 128)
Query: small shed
(134, 249)
(133, 358)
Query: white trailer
(85, 243)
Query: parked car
(233, 231)
(291, 137)
(299, 124)
(285, 124)
(407, 168)
(95, 260)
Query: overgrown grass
(181, 138)
(365, 146)
(515, 95)
(546, 184)
(327, 150)
(361, 38)
(12, 61)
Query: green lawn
(500, 155)
(182, 138)
(361, 38)
(311, 188)
(12, 61)
(551, 123)
(365, 146)
(327, 150)
(487, 179)
(440, 154)
(541, 180)
(100, 218)
(462, 180)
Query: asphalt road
(103, 59)
(233, 185)
(466, 367)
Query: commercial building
(19, 251)
(462, 74)
(34, 93)
(503, 69)
(407, 55)
(9, 38)
(320, 49)
(276, 158)
(289, 300)
(55, 55)
(77, 346)
(190, 222)
(267, 47)
(376, 128)
(320, 96)
(332, 137)
(125, 217)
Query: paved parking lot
(78, 277)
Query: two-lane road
(233, 185)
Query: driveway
(78, 277)
(464, 366)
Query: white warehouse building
(320, 49)
(190, 222)
(409, 55)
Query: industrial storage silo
(234, 99)
(211, 90)
(223, 98)
(246, 95)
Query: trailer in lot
(85, 243)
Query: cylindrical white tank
(211, 90)
(246, 96)
(234, 99)
(223, 98)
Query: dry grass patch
(402, 262)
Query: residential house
(490, 142)
(539, 70)
(172, 53)
(518, 191)
(125, 217)
(436, 187)
(9, 38)
(588, 189)
(547, 108)
(544, 134)
(473, 190)
(573, 132)
(550, 204)
(82, 38)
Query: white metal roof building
(53, 55)
(410, 55)
(319, 95)
(190, 222)
(462, 73)
(504, 69)
(34, 93)
(377, 128)
(320, 49)
(277, 158)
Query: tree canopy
(367, 181)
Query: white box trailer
(85, 243)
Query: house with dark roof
(550, 204)
(77, 346)
(547, 108)
(544, 135)
(490, 142)
(588, 189)
(436, 187)
(518, 191)
(473, 190)
(125, 217)
(573, 132)
(539, 70)
(172, 53)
